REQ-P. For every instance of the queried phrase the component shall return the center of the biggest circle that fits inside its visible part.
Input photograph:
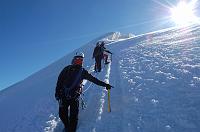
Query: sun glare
(184, 13)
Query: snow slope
(156, 78)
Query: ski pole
(109, 107)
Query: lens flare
(184, 13)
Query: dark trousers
(69, 120)
(98, 63)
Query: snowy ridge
(116, 37)
(156, 78)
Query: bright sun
(184, 13)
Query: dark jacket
(98, 51)
(69, 74)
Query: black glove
(57, 96)
(108, 86)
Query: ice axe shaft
(109, 107)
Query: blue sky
(35, 33)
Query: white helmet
(79, 54)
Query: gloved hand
(108, 86)
(57, 96)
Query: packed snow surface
(156, 79)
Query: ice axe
(109, 107)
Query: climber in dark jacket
(98, 55)
(68, 90)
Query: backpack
(72, 82)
